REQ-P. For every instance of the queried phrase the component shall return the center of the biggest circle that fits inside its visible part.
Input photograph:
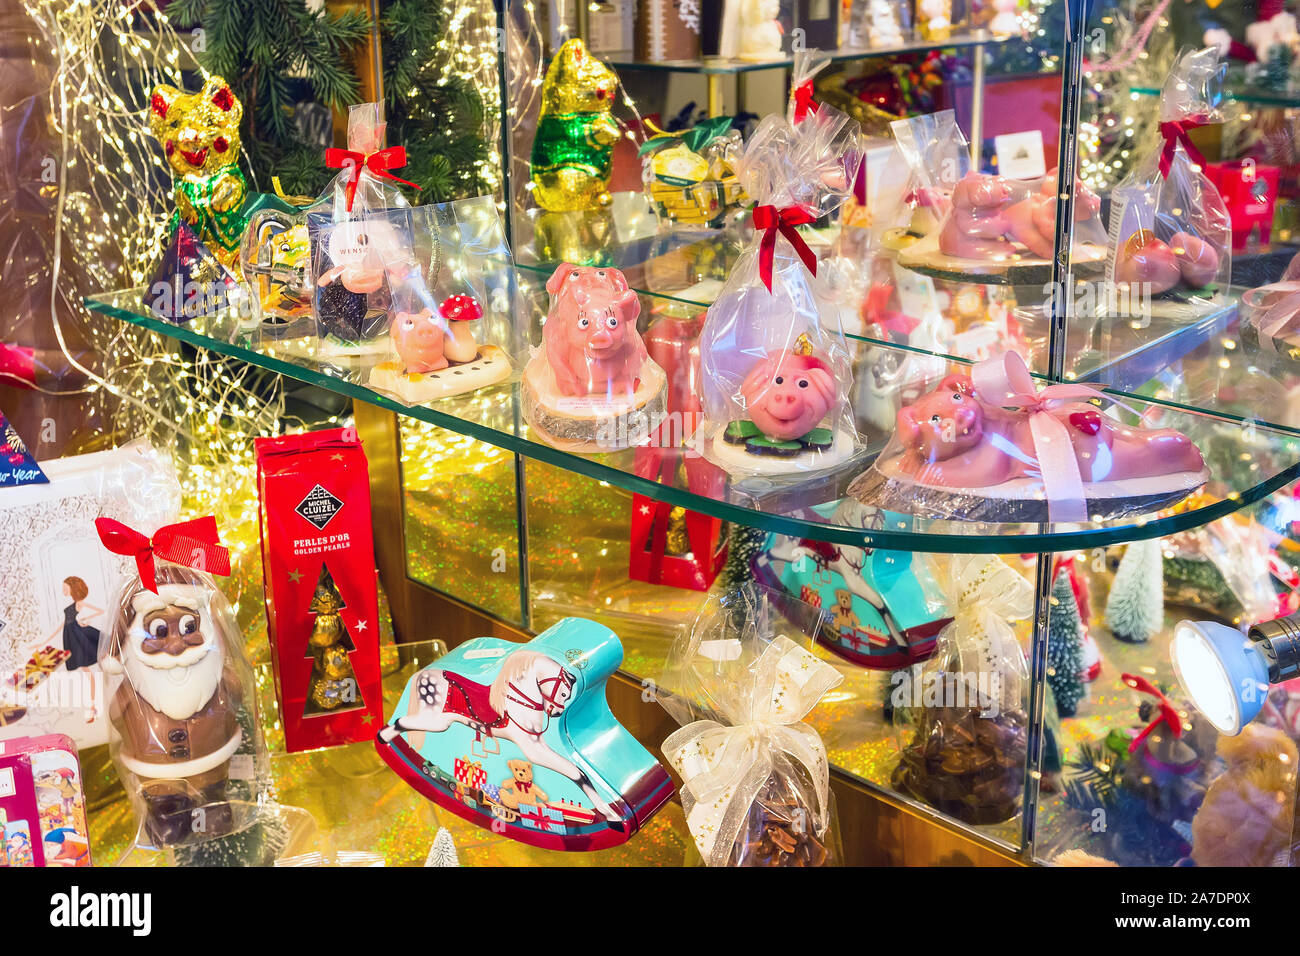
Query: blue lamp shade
(1223, 672)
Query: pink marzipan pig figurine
(947, 436)
(590, 336)
(788, 394)
(986, 224)
(428, 343)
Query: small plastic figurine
(883, 28)
(199, 133)
(573, 150)
(935, 19)
(1005, 21)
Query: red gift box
(316, 534)
(650, 556)
(470, 773)
(1249, 190)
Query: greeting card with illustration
(56, 584)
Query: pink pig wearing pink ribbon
(994, 426)
(590, 336)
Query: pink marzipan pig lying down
(948, 440)
(590, 336)
(985, 224)
(787, 394)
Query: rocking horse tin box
(520, 738)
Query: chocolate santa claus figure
(176, 711)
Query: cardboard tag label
(1020, 155)
(916, 293)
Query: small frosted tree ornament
(1065, 647)
(1135, 610)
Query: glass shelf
(1263, 459)
(624, 60)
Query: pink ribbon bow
(1176, 132)
(1272, 309)
(1005, 381)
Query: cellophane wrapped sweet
(361, 242)
(755, 780)
(1272, 313)
(690, 176)
(964, 728)
(1169, 228)
(937, 156)
(776, 369)
(186, 736)
(991, 443)
(453, 327)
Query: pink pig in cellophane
(775, 366)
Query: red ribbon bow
(1176, 132)
(803, 101)
(194, 544)
(771, 221)
(1168, 715)
(379, 163)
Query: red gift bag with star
(318, 572)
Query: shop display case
(1092, 751)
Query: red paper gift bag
(318, 570)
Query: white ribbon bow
(724, 768)
(985, 594)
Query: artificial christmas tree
(443, 851)
(1065, 647)
(743, 542)
(1136, 608)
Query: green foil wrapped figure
(199, 133)
(576, 132)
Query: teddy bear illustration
(573, 150)
(199, 133)
(520, 790)
(843, 615)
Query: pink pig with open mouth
(787, 394)
(590, 336)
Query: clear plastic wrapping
(989, 445)
(937, 156)
(1169, 227)
(690, 176)
(453, 327)
(186, 739)
(776, 368)
(1273, 312)
(965, 707)
(755, 780)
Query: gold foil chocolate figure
(333, 683)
